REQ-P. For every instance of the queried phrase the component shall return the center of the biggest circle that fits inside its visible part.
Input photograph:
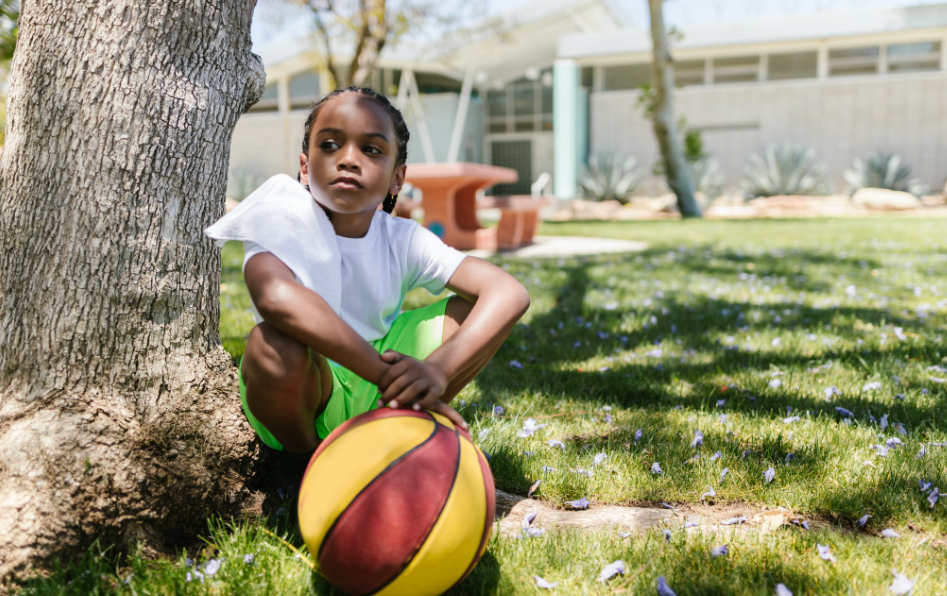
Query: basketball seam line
(341, 514)
(439, 513)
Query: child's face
(352, 155)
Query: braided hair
(401, 129)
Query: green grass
(711, 311)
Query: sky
(267, 27)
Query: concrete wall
(269, 143)
(841, 119)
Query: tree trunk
(665, 130)
(119, 417)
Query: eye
(329, 145)
(372, 150)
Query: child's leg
(454, 316)
(287, 386)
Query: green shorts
(416, 333)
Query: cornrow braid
(401, 129)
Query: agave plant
(609, 177)
(786, 169)
(240, 183)
(882, 170)
(707, 176)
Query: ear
(397, 179)
(304, 168)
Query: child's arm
(305, 316)
(499, 302)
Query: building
(560, 82)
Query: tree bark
(119, 418)
(665, 130)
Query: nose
(348, 157)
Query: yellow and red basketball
(397, 503)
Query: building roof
(504, 47)
(829, 24)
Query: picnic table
(450, 205)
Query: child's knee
(276, 358)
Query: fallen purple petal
(824, 553)
(733, 521)
(582, 503)
(637, 435)
(901, 584)
(611, 570)
(599, 458)
(932, 497)
(782, 590)
(541, 583)
(710, 493)
(844, 412)
(656, 468)
(862, 520)
(723, 474)
(716, 456)
(720, 551)
(698, 440)
(889, 533)
(768, 475)
(249, 559)
(533, 488)
(663, 589)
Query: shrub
(787, 169)
(609, 177)
(882, 170)
(241, 183)
(707, 176)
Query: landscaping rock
(887, 200)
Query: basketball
(396, 502)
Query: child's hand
(416, 384)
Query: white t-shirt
(396, 256)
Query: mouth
(346, 182)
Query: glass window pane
(304, 87)
(736, 69)
(689, 72)
(547, 100)
(525, 125)
(626, 76)
(496, 102)
(524, 99)
(587, 77)
(800, 65)
(908, 57)
(498, 125)
(271, 91)
(852, 61)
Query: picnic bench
(450, 205)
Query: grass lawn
(754, 333)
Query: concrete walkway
(565, 246)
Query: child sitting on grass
(307, 369)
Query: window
(625, 76)
(269, 101)
(303, 89)
(853, 61)
(522, 106)
(689, 72)
(588, 77)
(799, 65)
(524, 100)
(737, 69)
(910, 57)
